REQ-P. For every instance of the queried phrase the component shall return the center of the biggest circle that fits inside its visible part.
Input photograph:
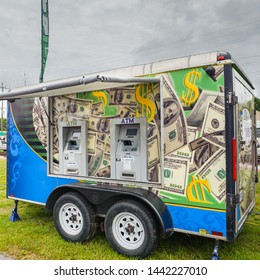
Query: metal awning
(72, 85)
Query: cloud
(90, 36)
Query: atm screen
(131, 132)
(76, 134)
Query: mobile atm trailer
(154, 148)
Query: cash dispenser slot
(128, 175)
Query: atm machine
(128, 149)
(73, 148)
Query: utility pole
(2, 107)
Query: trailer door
(244, 124)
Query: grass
(35, 238)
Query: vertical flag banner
(45, 35)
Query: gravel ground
(4, 257)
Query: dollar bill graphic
(104, 172)
(176, 174)
(185, 151)
(194, 145)
(154, 173)
(126, 112)
(175, 127)
(220, 101)
(152, 130)
(99, 124)
(62, 104)
(122, 96)
(153, 151)
(197, 114)
(104, 169)
(214, 170)
(214, 122)
(98, 108)
(217, 138)
(203, 153)
(95, 162)
(92, 138)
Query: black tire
(74, 218)
(131, 228)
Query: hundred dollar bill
(217, 138)
(100, 144)
(153, 151)
(122, 96)
(83, 113)
(99, 124)
(214, 170)
(104, 138)
(97, 108)
(78, 109)
(203, 153)
(175, 127)
(62, 104)
(107, 146)
(214, 121)
(185, 152)
(126, 112)
(104, 172)
(176, 175)
(104, 168)
(92, 138)
(198, 112)
(95, 162)
(220, 101)
(194, 145)
(154, 173)
(65, 117)
(152, 130)
(155, 95)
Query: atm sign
(127, 120)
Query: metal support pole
(215, 255)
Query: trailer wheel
(131, 229)
(74, 218)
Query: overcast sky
(87, 36)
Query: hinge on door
(233, 200)
(232, 98)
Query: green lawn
(35, 238)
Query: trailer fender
(104, 196)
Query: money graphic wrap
(191, 117)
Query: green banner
(45, 35)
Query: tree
(3, 124)
(257, 104)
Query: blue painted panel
(198, 219)
(27, 172)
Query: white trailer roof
(118, 76)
